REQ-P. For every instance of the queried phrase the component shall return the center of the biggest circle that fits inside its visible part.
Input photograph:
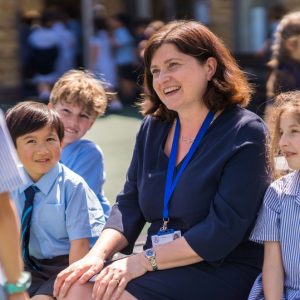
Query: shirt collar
(45, 183)
(292, 185)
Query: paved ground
(115, 134)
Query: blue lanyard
(170, 184)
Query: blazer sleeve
(233, 210)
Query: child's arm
(10, 256)
(78, 249)
(273, 273)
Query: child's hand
(81, 270)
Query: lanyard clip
(165, 224)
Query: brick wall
(9, 62)
(26, 5)
(222, 20)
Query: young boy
(80, 98)
(59, 212)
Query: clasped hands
(111, 280)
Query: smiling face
(179, 80)
(76, 120)
(289, 142)
(39, 151)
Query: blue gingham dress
(279, 220)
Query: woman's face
(179, 80)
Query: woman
(194, 127)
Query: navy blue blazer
(216, 200)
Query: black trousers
(43, 281)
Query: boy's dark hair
(29, 116)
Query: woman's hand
(112, 280)
(82, 269)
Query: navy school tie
(25, 226)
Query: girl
(278, 220)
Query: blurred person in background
(275, 13)
(125, 57)
(148, 32)
(285, 60)
(44, 50)
(30, 20)
(102, 62)
(67, 43)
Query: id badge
(164, 237)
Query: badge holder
(165, 234)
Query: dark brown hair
(29, 116)
(228, 85)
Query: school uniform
(10, 175)
(214, 205)
(105, 65)
(279, 221)
(43, 52)
(85, 158)
(124, 54)
(64, 209)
